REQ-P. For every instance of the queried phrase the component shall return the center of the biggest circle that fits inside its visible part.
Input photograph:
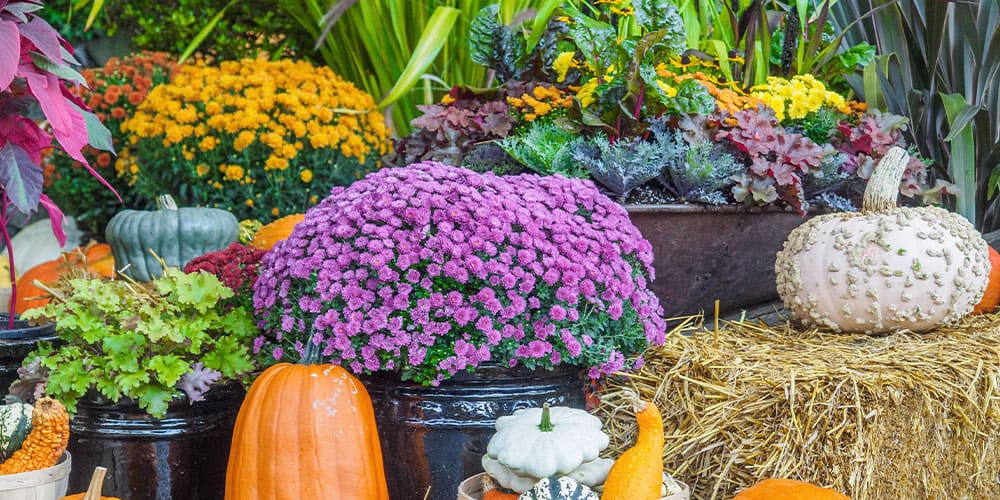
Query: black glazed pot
(181, 456)
(436, 436)
(16, 344)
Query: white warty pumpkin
(884, 268)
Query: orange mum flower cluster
(542, 101)
(728, 95)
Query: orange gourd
(276, 231)
(46, 442)
(496, 494)
(991, 297)
(788, 489)
(80, 496)
(306, 431)
(99, 262)
(638, 473)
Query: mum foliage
(258, 138)
(431, 269)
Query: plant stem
(4, 203)
(546, 424)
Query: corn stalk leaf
(203, 34)
(963, 152)
(95, 9)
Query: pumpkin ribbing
(788, 489)
(638, 473)
(991, 297)
(47, 441)
(306, 431)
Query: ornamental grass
(259, 138)
(898, 416)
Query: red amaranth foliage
(235, 266)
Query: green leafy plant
(938, 68)
(145, 341)
(545, 148)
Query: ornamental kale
(628, 163)
(430, 269)
(545, 148)
(701, 173)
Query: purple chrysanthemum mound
(431, 269)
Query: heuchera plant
(34, 69)
(430, 269)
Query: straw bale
(907, 416)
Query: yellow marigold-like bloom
(562, 64)
(208, 143)
(201, 169)
(447, 99)
(234, 172)
(306, 176)
(668, 90)
(275, 163)
(586, 92)
(244, 140)
(275, 211)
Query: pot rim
(694, 208)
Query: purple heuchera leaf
(197, 382)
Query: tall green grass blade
(95, 9)
(963, 152)
(433, 38)
(203, 34)
(542, 16)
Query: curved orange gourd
(638, 473)
(99, 262)
(788, 489)
(496, 494)
(306, 431)
(80, 496)
(47, 441)
(991, 297)
(267, 236)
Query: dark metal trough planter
(16, 344)
(703, 253)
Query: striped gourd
(15, 424)
(561, 488)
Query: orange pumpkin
(497, 494)
(99, 262)
(991, 298)
(267, 236)
(788, 489)
(306, 431)
(80, 496)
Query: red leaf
(10, 52)
(68, 124)
(45, 38)
(25, 133)
(56, 218)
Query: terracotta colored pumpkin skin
(306, 431)
(638, 473)
(80, 496)
(281, 229)
(100, 262)
(884, 268)
(991, 297)
(788, 489)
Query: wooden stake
(96, 484)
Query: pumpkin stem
(165, 202)
(882, 191)
(311, 354)
(546, 423)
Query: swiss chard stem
(546, 424)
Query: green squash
(176, 235)
(559, 488)
(15, 424)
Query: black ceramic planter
(16, 344)
(436, 436)
(181, 456)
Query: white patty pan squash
(592, 474)
(543, 442)
(886, 267)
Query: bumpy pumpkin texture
(991, 297)
(268, 235)
(788, 489)
(306, 431)
(47, 441)
(96, 259)
(558, 488)
(177, 235)
(638, 473)
(884, 268)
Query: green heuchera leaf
(137, 341)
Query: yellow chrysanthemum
(306, 176)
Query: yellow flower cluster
(563, 63)
(796, 98)
(274, 124)
(540, 102)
